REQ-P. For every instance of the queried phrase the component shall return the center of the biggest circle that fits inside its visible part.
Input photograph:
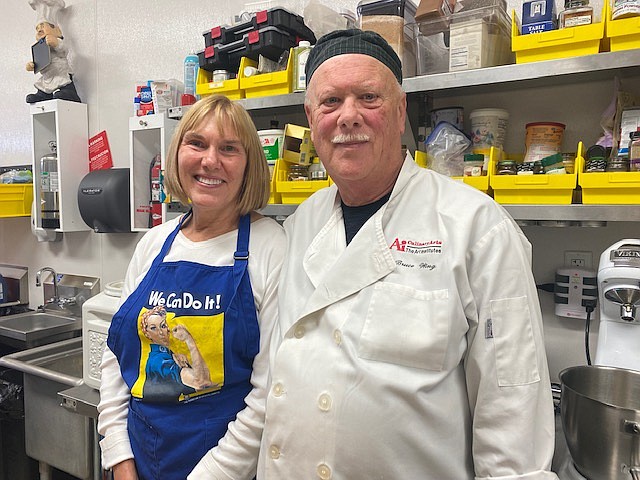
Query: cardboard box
(539, 16)
(298, 147)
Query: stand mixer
(619, 297)
(600, 405)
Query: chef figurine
(56, 79)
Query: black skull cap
(353, 40)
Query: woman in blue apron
(186, 361)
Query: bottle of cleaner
(301, 53)
(190, 74)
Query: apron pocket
(406, 326)
(144, 441)
(515, 348)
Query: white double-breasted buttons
(323, 471)
(278, 389)
(274, 452)
(324, 402)
(299, 331)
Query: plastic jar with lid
(553, 164)
(506, 167)
(473, 163)
(634, 151)
(316, 170)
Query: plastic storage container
(16, 199)
(295, 192)
(542, 189)
(607, 188)
(488, 127)
(265, 84)
(465, 40)
(230, 88)
(622, 34)
(393, 20)
(554, 44)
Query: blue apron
(185, 340)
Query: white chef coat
(56, 74)
(415, 352)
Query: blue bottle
(190, 73)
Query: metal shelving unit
(587, 68)
(572, 213)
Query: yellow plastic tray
(295, 192)
(607, 188)
(16, 199)
(481, 183)
(542, 189)
(554, 44)
(623, 34)
(230, 88)
(265, 84)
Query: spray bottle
(190, 75)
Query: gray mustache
(350, 137)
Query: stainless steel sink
(54, 435)
(31, 329)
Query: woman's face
(157, 330)
(211, 165)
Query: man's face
(356, 111)
(45, 28)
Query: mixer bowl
(600, 409)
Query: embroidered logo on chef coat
(415, 247)
(175, 359)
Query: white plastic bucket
(488, 127)
(272, 143)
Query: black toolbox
(274, 17)
(270, 42)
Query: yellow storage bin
(16, 199)
(623, 34)
(295, 192)
(554, 44)
(274, 196)
(607, 188)
(540, 189)
(230, 88)
(481, 183)
(265, 84)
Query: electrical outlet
(577, 259)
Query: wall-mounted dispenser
(104, 200)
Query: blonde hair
(254, 193)
(144, 318)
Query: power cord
(590, 306)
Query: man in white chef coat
(410, 328)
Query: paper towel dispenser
(104, 200)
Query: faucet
(56, 297)
(61, 303)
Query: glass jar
(298, 172)
(575, 13)
(473, 163)
(618, 165)
(595, 164)
(553, 164)
(506, 167)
